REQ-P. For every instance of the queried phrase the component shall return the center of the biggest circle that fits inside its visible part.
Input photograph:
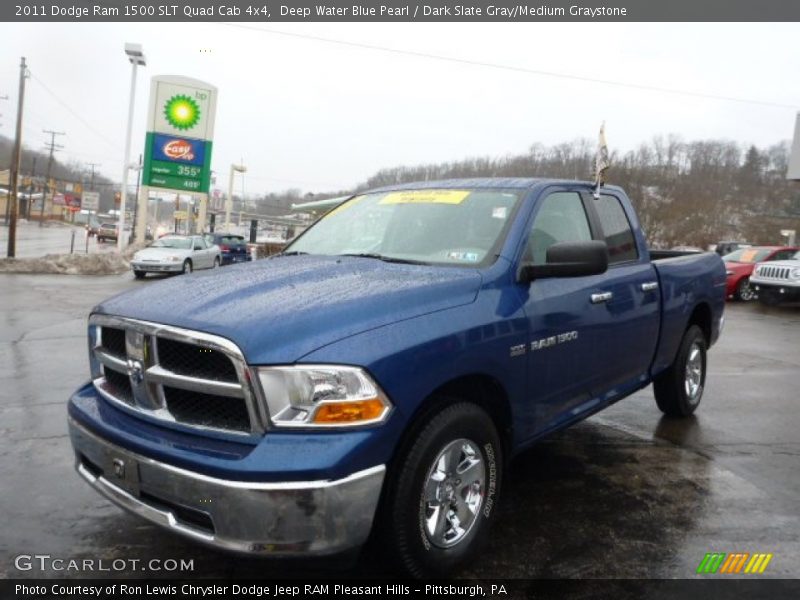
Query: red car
(740, 263)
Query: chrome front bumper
(282, 519)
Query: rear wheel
(678, 390)
(187, 267)
(440, 500)
(744, 291)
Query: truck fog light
(322, 396)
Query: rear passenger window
(617, 229)
(561, 218)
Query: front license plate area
(122, 471)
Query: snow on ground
(105, 263)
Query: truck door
(626, 301)
(562, 322)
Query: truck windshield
(463, 227)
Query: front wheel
(187, 267)
(442, 497)
(678, 390)
(744, 291)
(139, 274)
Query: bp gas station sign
(180, 129)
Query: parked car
(723, 248)
(176, 254)
(233, 247)
(777, 281)
(386, 367)
(107, 232)
(92, 226)
(739, 266)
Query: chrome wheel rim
(746, 291)
(453, 493)
(694, 373)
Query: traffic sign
(90, 201)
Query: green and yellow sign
(179, 134)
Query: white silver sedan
(176, 254)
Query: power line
(73, 112)
(517, 69)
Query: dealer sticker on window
(426, 197)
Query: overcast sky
(320, 116)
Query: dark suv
(234, 247)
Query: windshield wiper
(389, 259)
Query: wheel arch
(701, 316)
(480, 389)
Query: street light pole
(229, 201)
(136, 58)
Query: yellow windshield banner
(425, 197)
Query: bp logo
(182, 112)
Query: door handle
(649, 286)
(603, 297)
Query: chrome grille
(174, 375)
(773, 272)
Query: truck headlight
(322, 396)
(795, 273)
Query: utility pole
(12, 225)
(52, 146)
(91, 181)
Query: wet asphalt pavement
(625, 494)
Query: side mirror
(568, 259)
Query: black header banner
(267, 11)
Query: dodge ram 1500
(376, 376)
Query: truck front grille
(175, 375)
(772, 272)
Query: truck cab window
(617, 230)
(561, 218)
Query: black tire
(100, 240)
(744, 291)
(187, 267)
(139, 274)
(407, 514)
(679, 389)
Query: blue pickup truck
(376, 377)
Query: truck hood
(278, 310)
